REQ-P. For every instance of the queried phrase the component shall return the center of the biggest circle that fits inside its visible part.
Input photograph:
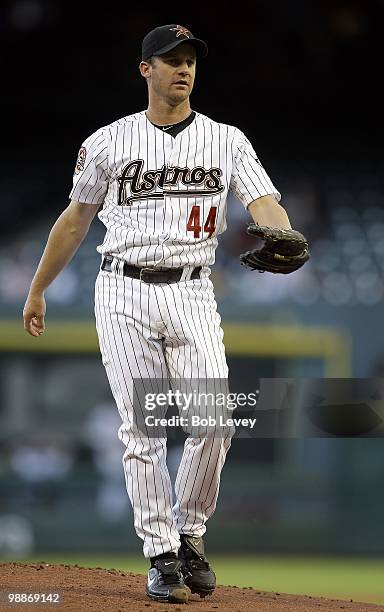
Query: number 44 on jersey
(194, 221)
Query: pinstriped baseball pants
(153, 331)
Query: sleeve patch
(80, 163)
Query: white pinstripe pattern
(150, 331)
(153, 231)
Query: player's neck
(164, 114)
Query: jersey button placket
(173, 162)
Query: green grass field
(337, 578)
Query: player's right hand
(33, 315)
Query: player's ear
(145, 69)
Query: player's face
(172, 75)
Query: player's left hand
(284, 250)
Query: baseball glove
(284, 250)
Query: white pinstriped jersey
(164, 197)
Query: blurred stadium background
(302, 80)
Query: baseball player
(159, 180)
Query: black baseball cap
(167, 37)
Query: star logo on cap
(181, 31)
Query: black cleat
(198, 574)
(166, 583)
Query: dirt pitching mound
(112, 590)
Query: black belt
(151, 275)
